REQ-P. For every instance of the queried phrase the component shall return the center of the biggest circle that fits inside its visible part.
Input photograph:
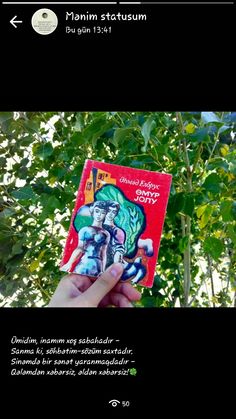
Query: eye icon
(114, 402)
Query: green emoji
(133, 371)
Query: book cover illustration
(118, 217)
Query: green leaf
(183, 243)
(77, 139)
(212, 183)
(159, 283)
(96, 129)
(41, 254)
(146, 131)
(7, 212)
(205, 216)
(79, 122)
(232, 167)
(231, 157)
(149, 301)
(24, 162)
(3, 161)
(32, 125)
(24, 193)
(44, 151)
(190, 128)
(162, 150)
(224, 128)
(5, 116)
(53, 203)
(234, 210)
(17, 249)
(188, 207)
(34, 265)
(214, 247)
(230, 118)
(201, 210)
(27, 140)
(64, 156)
(208, 117)
(23, 172)
(226, 211)
(58, 172)
(218, 162)
(121, 135)
(200, 136)
(231, 233)
(176, 203)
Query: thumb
(94, 294)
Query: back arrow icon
(13, 21)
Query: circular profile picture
(44, 21)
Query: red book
(118, 217)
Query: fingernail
(116, 269)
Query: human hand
(80, 291)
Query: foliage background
(42, 156)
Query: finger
(115, 299)
(81, 282)
(103, 285)
(128, 290)
(74, 284)
(120, 300)
(121, 288)
(106, 301)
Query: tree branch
(186, 221)
(211, 278)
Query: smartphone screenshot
(117, 207)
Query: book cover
(118, 217)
